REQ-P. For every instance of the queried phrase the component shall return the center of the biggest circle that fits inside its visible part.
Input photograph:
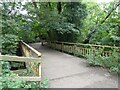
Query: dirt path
(66, 71)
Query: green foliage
(38, 25)
(9, 38)
(106, 33)
(55, 26)
(112, 62)
(9, 44)
(75, 13)
(45, 84)
(76, 20)
(27, 36)
(95, 58)
(73, 24)
(67, 32)
(5, 81)
(94, 15)
(14, 28)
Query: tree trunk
(59, 7)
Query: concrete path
(67, 71)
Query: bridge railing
(21, 59)
(28, 51)
(80, 49)
(32, 59)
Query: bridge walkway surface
(67, 71)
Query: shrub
(111, 62)
(9, 44)
(5, 81)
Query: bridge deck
(66, 71)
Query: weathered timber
(28, 51)
(81, 49)
(33, 60)
(19, 59)
(26, 46)
(23, 78)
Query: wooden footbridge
(64, 70)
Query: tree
(90, 35)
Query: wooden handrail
(28, 51)
(80, 49)
(19, 59)
(24, 78)
(32, 58)
(106, 46)
(32, 49)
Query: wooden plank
(19, 59)
(24, 78)
(40, 71)
(20, 71)
(83, 51)
(0, 69)
(32, 49)
(89, 45)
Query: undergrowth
(6, 83)
(111, 62)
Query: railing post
(62, 47)
(0, 68)
(49, 44)
(78, 48)
(74, 53)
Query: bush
(5, 81)
(112, 62)
(27, 36)
(45, 83)
(9, 44)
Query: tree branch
(95, 29)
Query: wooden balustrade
(22, 59)
(80, 49)
(28, 51)
(31, 57)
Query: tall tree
(91, 34)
